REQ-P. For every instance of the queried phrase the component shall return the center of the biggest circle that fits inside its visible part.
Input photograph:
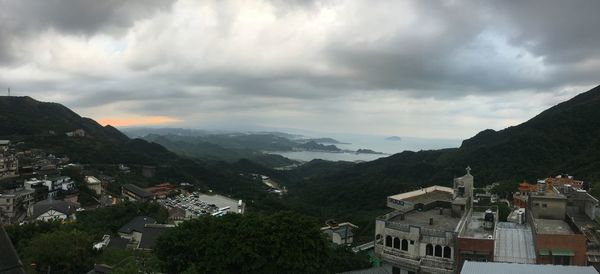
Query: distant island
(325, 140)
(367, 151)
(314, 146)
(393, 138)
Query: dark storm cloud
(77, 16)
(23, 19)
(228, 56)
(562, 32)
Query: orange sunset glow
(137, 121)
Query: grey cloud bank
(414, 68)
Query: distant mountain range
(231, 146)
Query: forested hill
(44, 125)
(26, 116)
(562, 139)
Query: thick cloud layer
(411, 68)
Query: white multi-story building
(420, 235)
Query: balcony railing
(428, 263)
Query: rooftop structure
(51, 209)
(514, 243)
(136, 224)
(502, 268)
(9, 261)
(481, 223)
(564, 179)
(549, 226)
(420, 235)
(135, 193)
(436, 218)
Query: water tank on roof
(488, 220)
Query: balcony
(428, 263)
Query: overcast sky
(446, 69)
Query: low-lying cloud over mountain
(420, 68)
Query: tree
(280, 243)
(60, 252)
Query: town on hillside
(40, 187)
(551, 226)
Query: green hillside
(562, 139)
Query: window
(438, 251)
(377, 237)
(396, 243)
(536, 204)
(395, 270)
(388, 241)
(447, 252)
(429, 250)
(412, 242)
(544, 205)
(561, 260)
(405, 245)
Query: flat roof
(444, 222)
(548, 226)
(514, 243)
(425, 195)
(474, 227)
(501, 268)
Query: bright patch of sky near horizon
(436, 69)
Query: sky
(434, 69)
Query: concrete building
(9, 163)
(557, 239)
(420, 235)
(50, 209)
(477, 235)
(15, 204)
(94, 184)
(135, 193)
(340, 234)
(142, 232)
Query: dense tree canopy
(280, 243)
(60, 252)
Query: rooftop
(138, 191)
(474, 227)
(426, 195)
(548, 226)
(9, 261)
(138, 223)
(150, 234)
(44, 206)
(514, 243)
(501, 268)
(443, 222)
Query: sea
(376, 143)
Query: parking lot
(198, 204)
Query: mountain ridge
(561, 139)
